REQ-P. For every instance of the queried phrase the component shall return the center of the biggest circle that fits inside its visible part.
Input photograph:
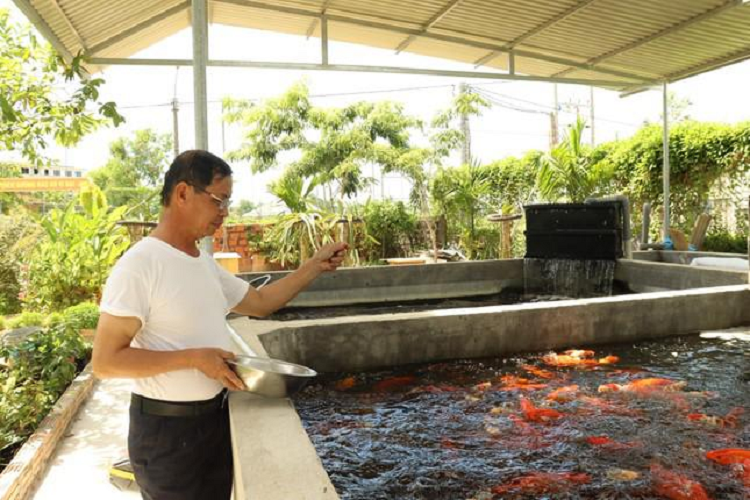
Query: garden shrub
(54, 319)
(2, 323)
(393, 225)
(81, 244)
(25, 319)
(722, 240)
(39, 369)
(82, 316)
(18, 235)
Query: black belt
(177, 408)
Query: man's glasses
(221, 204)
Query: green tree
(35, 104)
(567, 173)
(463, 193)
(334, 144)
(132, 175)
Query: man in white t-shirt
(163, 324)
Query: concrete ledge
(642, 276)
(676, 257)
(273, 456)
(366, 342)
(19, 479)
(402, 283)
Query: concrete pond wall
(275, 459)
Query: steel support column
(200, 61)
(200, 100)
(666, 169)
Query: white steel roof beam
(139, 27)
(115, 61)
(31, 13)
(432, 22)
(386, 26)
(729, 4)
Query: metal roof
(611, 43)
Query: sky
(520, 123)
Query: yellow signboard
(40, 184)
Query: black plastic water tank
(574, 231)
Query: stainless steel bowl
(271, 377)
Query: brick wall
(236, 241)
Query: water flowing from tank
(568, 277)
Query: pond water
(517, 427)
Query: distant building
(52, 171)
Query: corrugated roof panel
(417, 12)
(235, 15)
(345, 32)
(504, 20)
(149, 36)
(57, 24)
(452, 51)
(98, 24)
(598, 30)
(608, 25)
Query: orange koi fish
(738, 458)
(511, 382)
(345, 384)
(645, 385)
(675, 486)
(563, 394)
(729, 456)
(542, 482)
(534, 414)
(539, 372)
(729, 421)
(606, 442)
(568, 360)
(392, 383)
(579, 353)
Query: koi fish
(511, 382)
(534, 414)
(542, 482)
(392, 383)
(738, 458)
(729, 421)
(567, 360)
(728, 456)
(604, 441)
(676, 486)
(644, 385)
(579, 353)
(622, 474)
(539, 372)
(563, 394)
(345, 384)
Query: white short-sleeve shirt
(182, 302)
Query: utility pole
(465, 129)
(175, 126)
(593, 137)
(175, 115)
(553, 125)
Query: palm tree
(567, 173)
